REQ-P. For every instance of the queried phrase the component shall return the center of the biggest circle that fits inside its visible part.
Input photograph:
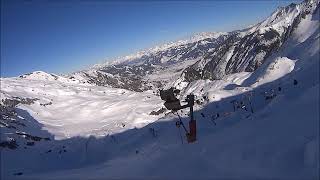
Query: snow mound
(280, 67)
(40, 75)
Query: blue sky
(64, 36)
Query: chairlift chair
(172, 103)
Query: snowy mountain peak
(39, 75)
(284, 17)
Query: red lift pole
(192, 136)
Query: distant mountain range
(203, 56)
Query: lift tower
(172, 103)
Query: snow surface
(279, 140)
(80, 109)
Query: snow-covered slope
(74, 109)
(55, 127)
(248, 49)
(278, 140)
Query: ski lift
(172, 103)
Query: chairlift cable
(185, 129)
(180, 135)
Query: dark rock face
(16, 100)
(132, 82)
(160, 111)
(11, 144)
(13, 125)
